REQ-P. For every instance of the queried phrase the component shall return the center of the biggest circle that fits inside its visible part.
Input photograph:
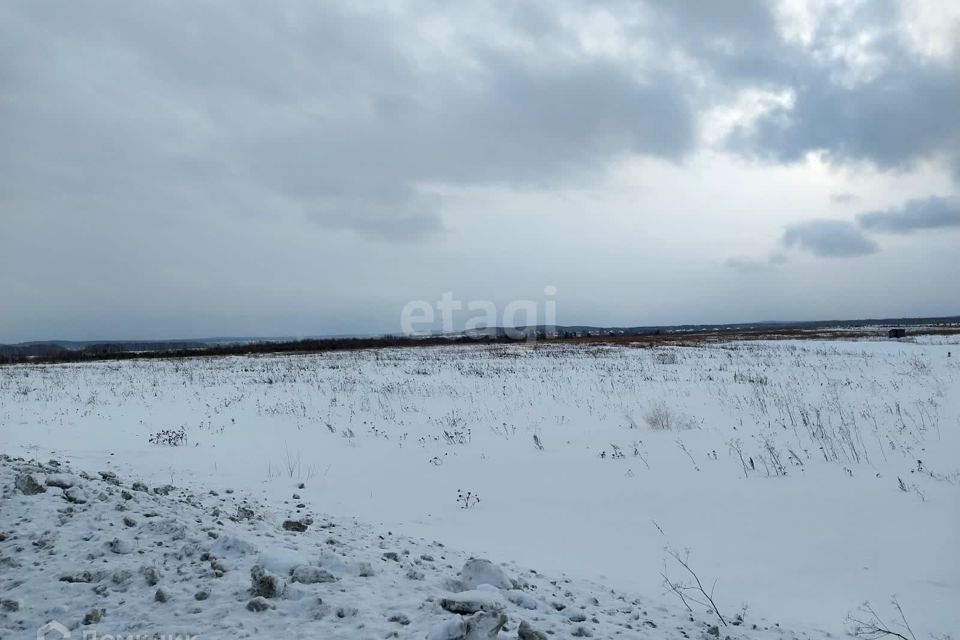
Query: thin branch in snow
(689, 591)
(868, 624)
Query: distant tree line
(52, 353)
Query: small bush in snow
(169, 437)
(456, 436)
(660, 418)
(665, 357)
(467, 499)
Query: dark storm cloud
(737, 42)
(906, 114)
(343, 113)
(330, 111)
(829, 239)
(914, 215)
(893, 112)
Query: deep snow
(867, 434)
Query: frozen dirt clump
(526, 632)
(298, 526)
(31, 483)
(82, 577)
(9, 605)
(306, 574)
(475, 601)
(76, 495)
(120, 546)
(259, 604)
(477, 571)
(62, 480)
(265, 584)
(476, 627)
(94, 616)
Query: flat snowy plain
(804, 477)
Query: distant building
(897, 333)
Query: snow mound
(477, 572)
(199, 563)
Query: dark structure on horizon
(897, 333)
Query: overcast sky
(284, 168)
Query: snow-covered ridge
(107, 556)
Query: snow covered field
(804, 477)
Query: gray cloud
(899, 111)
(914, 215)
(343, 113)
(829, 239)
(746, 264)
(905, 115)
(332, 111)
(843, 198)
(883, 104)
(160, 164)
(842, 239)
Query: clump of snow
(62, 480)
(479, 571)
(76, 495)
